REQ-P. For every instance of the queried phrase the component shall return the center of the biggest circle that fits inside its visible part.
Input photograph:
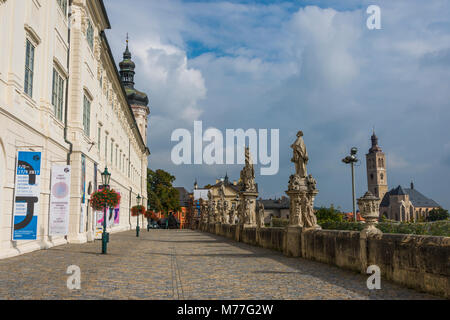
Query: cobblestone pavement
(175, 264)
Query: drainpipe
(129, 207)
(67, 89)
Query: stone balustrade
(418, 262)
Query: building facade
(61, 95)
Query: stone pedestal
(302, 193)
(369, 206)
(248, 209)
(293, 246)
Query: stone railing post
(369, 207)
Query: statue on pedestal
(248, 173)
(302, 188)
(232, 216)
(225, 217)
(260, 215)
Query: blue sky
(298, 65)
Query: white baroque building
(61, 94)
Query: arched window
(382, 176)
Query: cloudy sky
(298, 65)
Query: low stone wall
(271, 238)
(418, 262)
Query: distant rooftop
(417, 199)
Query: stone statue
(248, 173)
(247, 215)
(219, 212)
(300, 158)
(232, 216)
(260, 216)
(311, 183)
(302, 189)
(239, 212)
(212, 213)
(225, 217)
(296, 215)
(310, 219)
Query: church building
(399, 204)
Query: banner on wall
(83, 193)
(60, 201)
(26, 196)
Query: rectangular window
(29, 68)
(106, 148)
(86, 115)
(90, 35)
(117, 151)
(58, 94)
(99, 137)
(63, 5)
(112, 151)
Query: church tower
(137, 100)
(376, 169)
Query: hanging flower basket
(151, 215)
(105, 197)
(137, 211)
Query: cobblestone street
(185, 264)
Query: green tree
(162, 196)
(438, 215)
(328, 215)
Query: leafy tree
(162, 196)
(438, 215)
(328, 215)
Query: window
(117, 151)
(29, 68)
(86, 115)
(112, 150)
(90, 35)
(63, 5)
(99, 136)
(58, 94)
(106, 148)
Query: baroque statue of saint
(300, 158)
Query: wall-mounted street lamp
(351, 159)
(106, 177)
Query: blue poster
(26, 196)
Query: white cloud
(316, 69)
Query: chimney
(412, 185)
